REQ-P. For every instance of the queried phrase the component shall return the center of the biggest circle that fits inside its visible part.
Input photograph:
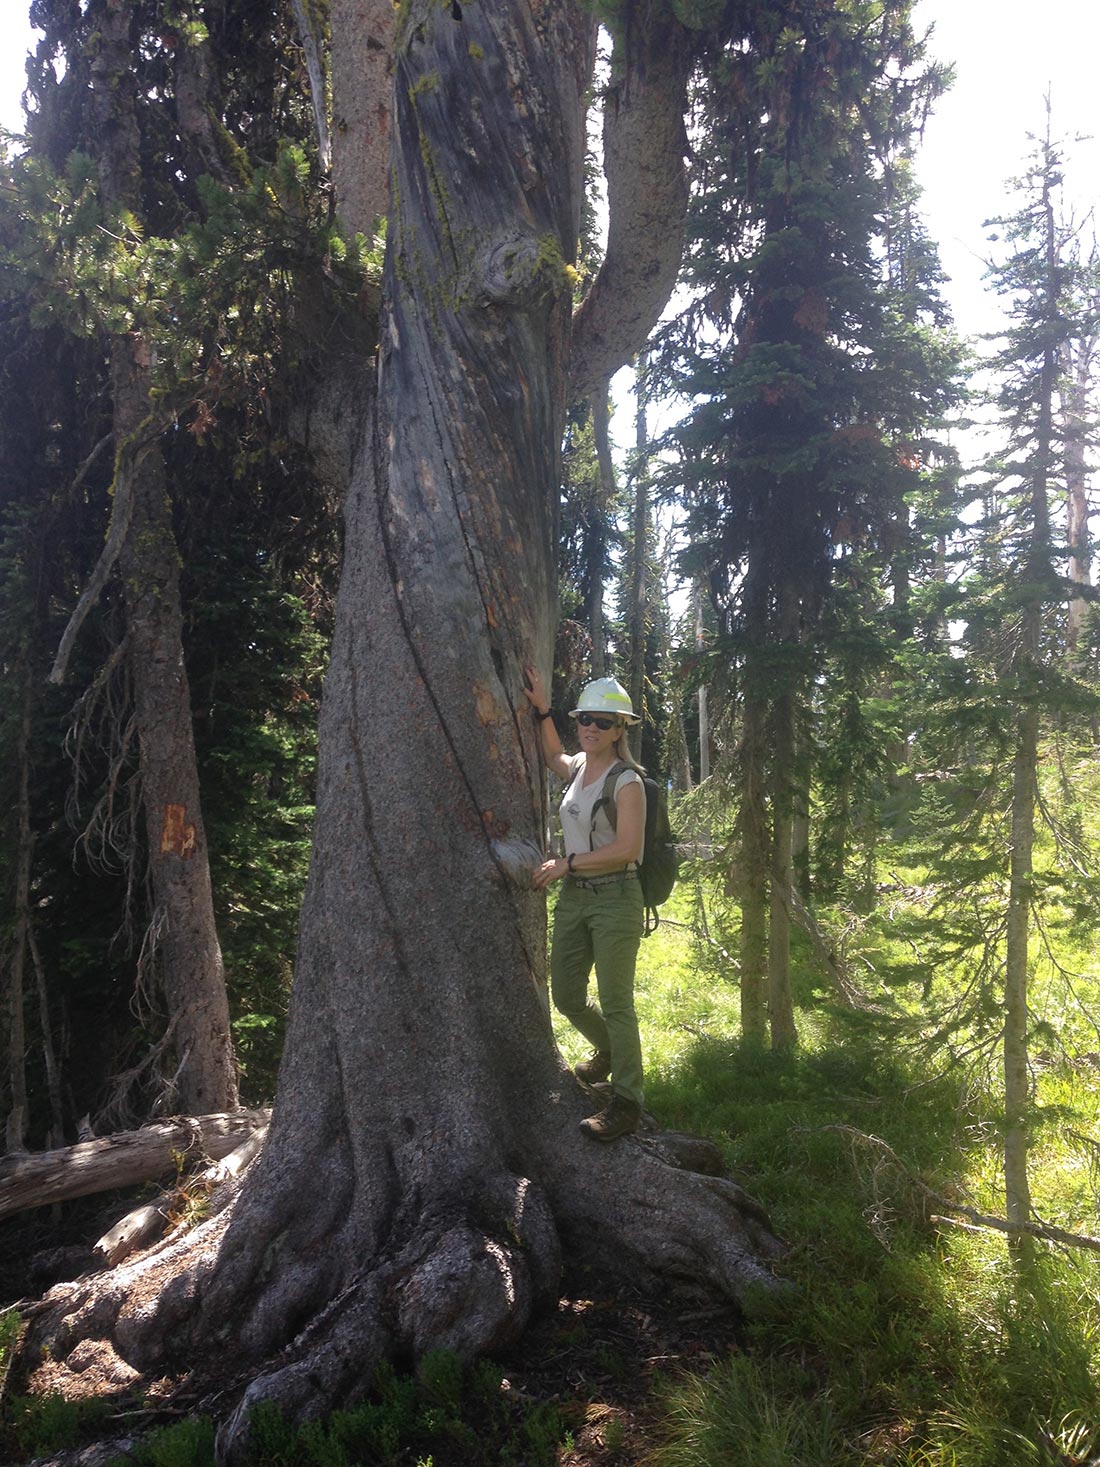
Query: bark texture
(424, 1168)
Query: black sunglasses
(584, 719)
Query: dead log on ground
(123, 1160)
(145, 1224)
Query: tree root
(463, 1267)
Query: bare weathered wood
(145, 1224)
(32, 1180)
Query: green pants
(601, 925)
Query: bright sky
(1007, 54)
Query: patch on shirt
(573, 809)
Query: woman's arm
(553, 755)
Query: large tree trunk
(188, 951)
(424, 1167)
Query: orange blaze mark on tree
(176, 836)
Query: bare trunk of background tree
(596, 533)
(188, 953)
(424, 1168)
(1076, 386)
(639, 561)
(16, 1126)
(782, 800)
(701, 694)
(754, 835)
(1016, 1077)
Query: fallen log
(145, 1224)
(123, 1160)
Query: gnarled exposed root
(630, 1212)
(459, 1261)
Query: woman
(600, 913)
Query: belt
(593, 882)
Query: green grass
(905, 1341)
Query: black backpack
(660, 865)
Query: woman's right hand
(535, 690)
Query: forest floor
(909, 1339)
(595, 1366)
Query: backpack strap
(607, 797)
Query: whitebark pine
(424, 1169)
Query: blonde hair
(623, 747)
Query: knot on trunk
(517, 858)
(523, 270)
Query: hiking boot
(595, 1070)
(620, 1118)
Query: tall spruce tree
(790, 459)
(1048, 314)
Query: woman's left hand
(549, 871)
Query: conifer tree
(791, 461)
(1048, 314)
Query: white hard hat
(606, 695)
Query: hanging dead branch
(981, 1221)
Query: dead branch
(849, 991)
(122, 1160)
(129, 457)
(316, 73)
(145, 1224)
(980, 1220)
